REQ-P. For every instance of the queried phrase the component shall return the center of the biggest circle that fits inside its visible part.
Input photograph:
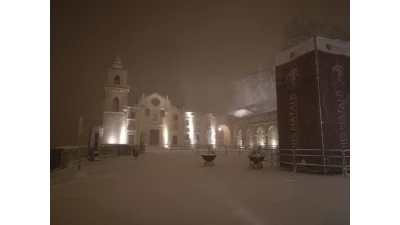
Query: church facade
(154, 118)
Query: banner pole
(79, 141)
(319, 100)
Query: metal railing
(310, 160)
(330, 160)
(224, 149)
(204, 148)
(327, 160)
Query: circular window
(155, 101)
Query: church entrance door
(154, 137)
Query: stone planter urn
(256, 159)
(209, 157)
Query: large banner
(334, 72)
(297, 104)
(313, 98)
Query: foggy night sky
(174, 48)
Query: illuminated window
(116, 80)
(147, 112)
(162, 113)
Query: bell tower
(115, 98)
(116, 90)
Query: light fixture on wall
(219, 128)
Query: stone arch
(239, 138)
(273, 137)
(223, 135)
(117, 80)
(261, 136)
(116, 104)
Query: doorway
(154, 137)
(174, 140)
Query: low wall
(61, 157)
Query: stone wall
(123, 76)
(114, 124)
(70, 154)
(109, 98)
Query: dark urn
(208, 157)
(256, 156)
(256, 159)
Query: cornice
(117, 88)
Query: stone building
(252, 121)
(254, 110)
(115, 97)
(163, 124)
(154, 118)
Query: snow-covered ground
(173, 188)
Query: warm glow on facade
(273, 142)
(122, 135)
(165, 134)
(212, 134)
(189, 116)
(213, 139)
(111, 140)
